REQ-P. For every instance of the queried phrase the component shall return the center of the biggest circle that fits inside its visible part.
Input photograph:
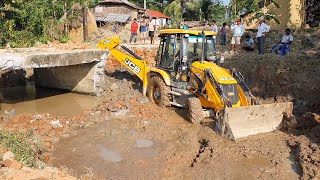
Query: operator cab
(180, 48)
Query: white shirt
(287, 38)
(238, 30)
(152, 24)
(215, 28)
(262, 29)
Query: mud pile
(306, 147)
(145, 52)
(273, 78)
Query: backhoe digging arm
(137, 66)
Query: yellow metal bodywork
(140, 68)
(222, 76)
(137, 66)
(207, 80)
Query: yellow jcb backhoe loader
(187, 75)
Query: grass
(23, 145)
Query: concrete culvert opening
(20, 94)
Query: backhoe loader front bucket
(238, 122)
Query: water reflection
(30, 99)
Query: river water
(31, 99)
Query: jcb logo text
(134, 67)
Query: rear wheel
(159, 92)
(194, 110)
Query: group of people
(248, 43)
(145, 28)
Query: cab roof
(182, 31)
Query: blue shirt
(143, 29)
(249, 42)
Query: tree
(151, 4)
(25, 22)
(256, 7)
(197, 10)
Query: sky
(226, 2)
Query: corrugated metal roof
(121, 18)
(126, 2)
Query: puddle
(148, 153)
(108, 154)
(30, 99)
(143, 143)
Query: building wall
(102, 10)
(290, 14)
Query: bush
(64, 39)
(24, 146)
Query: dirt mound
(274, 78)
(306, 147)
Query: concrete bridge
(75, 70)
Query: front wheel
(194, 110)
(159, 92)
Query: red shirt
(134, 27)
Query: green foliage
(22, 145)
(22, 23)
(64, 39)
(253, 6)
(151, 4)
(196, 10)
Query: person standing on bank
(143, 31)
(261, 35)
(134, 30)
(238, 31)
(224, 34)
(214, 27)
(152, 28)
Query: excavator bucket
(238, 122)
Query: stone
(143, 100)
(120, 113)
(56, 124)
(37, 117)
(10, 163)
(114, 109)
(8, 155)
(98, 113)
(114, 87)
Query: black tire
(194, 110)
(159, 92)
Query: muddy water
(30, 99)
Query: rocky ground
(127, 137)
